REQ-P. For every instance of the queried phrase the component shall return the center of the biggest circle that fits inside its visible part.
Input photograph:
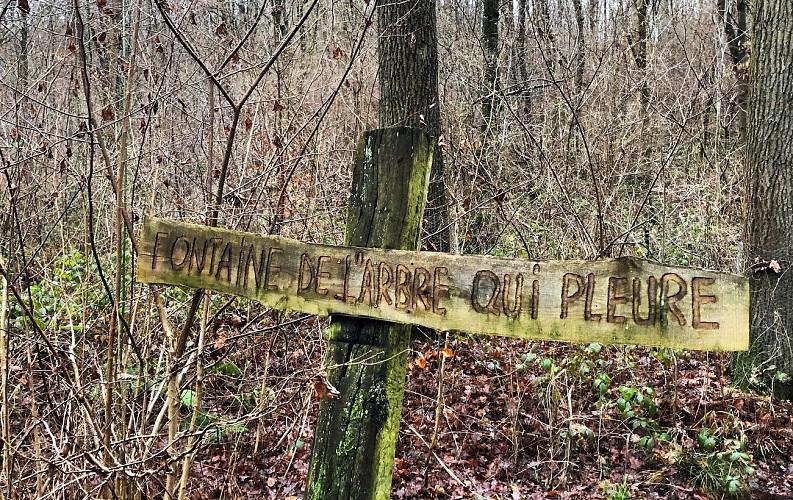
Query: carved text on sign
(612, 301)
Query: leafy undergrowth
(538, 420)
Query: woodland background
(590, 128)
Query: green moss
(417, 186)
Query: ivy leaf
(188, 398)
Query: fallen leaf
(237, 321)
(220, 340)
(107, 113)
(323, 388)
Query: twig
(5, 422)
(198, 393)
(439, 397)
(447, 469)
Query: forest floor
(523, 419)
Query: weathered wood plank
(619, 301)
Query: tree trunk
(490, 59)
(280, 19)
(770, 219)
(520, 42)
(736, 31)
(579, 46)
(639, 51)
(355, 437)
(408, 62)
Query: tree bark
(579, 46)
(280, 20)
(735, 29)
(520, 42)
(770, 219)
(408, 62)
(490, 60)
(639, 51)
(355, 438)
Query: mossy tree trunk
(770, 218)
(355, 437)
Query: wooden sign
(617, 301)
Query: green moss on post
(355, 436)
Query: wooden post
(355, 436)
